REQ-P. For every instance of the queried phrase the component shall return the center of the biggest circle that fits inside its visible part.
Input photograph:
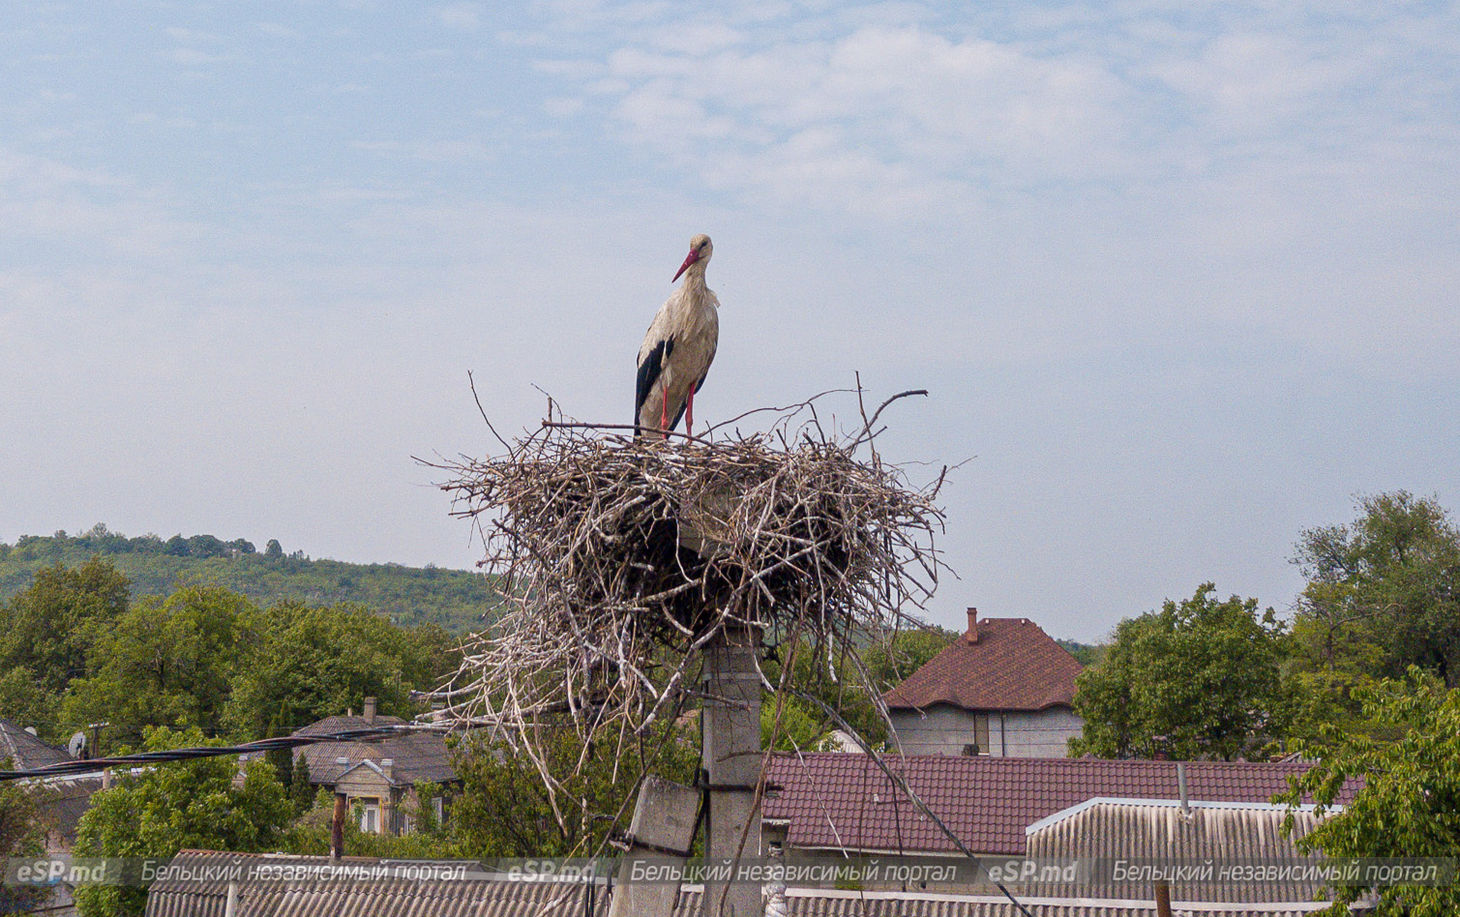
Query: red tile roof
(834, 799)
(1014, 665)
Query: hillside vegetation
(409, 596)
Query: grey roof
(64, 802)
(416, 755)
(1159, 832)
(495, 898)
(24, 750)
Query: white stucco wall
(944, 730)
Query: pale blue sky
(1181, 278)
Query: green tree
(173, 806)
(23, 701)
(50, 627)
(788, 723)
(1197, 679)
(308, 663)
(1410, 793)
(1383, 594)
(301, 791)
(504, 809)
(837, 679)
(163, 662)
(890, 662)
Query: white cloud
(888, 115)
(1247, 78)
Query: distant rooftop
(832, 799)
(997, 664)
(24, 750)
(416, 755)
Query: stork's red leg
(689, 413)
(664, 414)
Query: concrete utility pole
(663, 826)
(731, 755)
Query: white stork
(678, 348)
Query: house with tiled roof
(378, 778)
(1004, 689)
(831, 801)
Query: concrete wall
(945, 730)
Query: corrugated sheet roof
(1157, 831)
(490, 898)
(1014, 665)
(835, 800)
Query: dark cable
(94, 765)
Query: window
(980, 743)
(368, 811)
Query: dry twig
(620, 559)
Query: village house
(65, 798)
(1004, 689)
(378, 778)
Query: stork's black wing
(649, 371)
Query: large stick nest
(620, 558)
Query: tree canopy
(77, 652)
(1198, 679)
(168, 807)
(454, 599)
(1382, 594)
(1408, 804)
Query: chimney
(971, 635)
(370, 710)
(387, 767)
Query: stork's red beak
(689, 259)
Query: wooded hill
(409, 596)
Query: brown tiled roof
(1014, 665)
(416, 755)
(834, 799)
(24, 750)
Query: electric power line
(95, 765)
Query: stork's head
(700, 250)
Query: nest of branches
(619, 559)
